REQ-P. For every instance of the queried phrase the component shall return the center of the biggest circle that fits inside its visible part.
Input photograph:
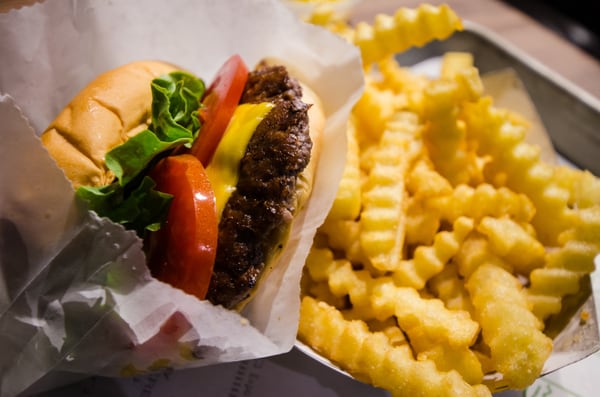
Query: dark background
(577, 21)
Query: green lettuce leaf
(175, 102)
(131, 199)
(144, 208)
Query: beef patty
(259, 212)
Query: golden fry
(566, 265)
(406, 28)
(384, 198)
(424, 320)
(430, 260)
(344, 236)
(462, 360)
(425, 182)
(445, 135)
(517, 165)
(422, 223)
(481, 201)
(346, 205)
(370, 355)
(517, 344)
(449, 287)
(510, 241)
(450, 241)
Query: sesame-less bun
(107, 112)
(316, 120)
(114, 107)
(276, 172)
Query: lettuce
(131, 199)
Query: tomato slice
(219, 103)
(182, 253)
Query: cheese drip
(223, 169)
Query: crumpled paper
(75, 294)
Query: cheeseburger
(210, 177)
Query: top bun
(107, 112)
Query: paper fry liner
(75, 292)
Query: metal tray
(571, 117)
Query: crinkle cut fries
(450, 241)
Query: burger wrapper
(75, 292)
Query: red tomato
(219, 103)
(182, 253)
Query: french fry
(583, 186)
(422, 318)
(374, 108)
(346, 205)
(565, 266)
(454, 63)
(462, 360)
(517, 344)
(511, 242)
(406, 28)
(449, 287)
(464, 242)
(344, 236)
(425, 182)
(516, 165)
(445, 135)
(370, 355)
(430, 260)
(481, 201)
(384, 201)
(422, 223)
(476, 251)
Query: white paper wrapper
(75, 294)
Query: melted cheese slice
(223, 169)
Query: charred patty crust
(260, 210)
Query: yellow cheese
(223, 169)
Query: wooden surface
(7, 5)
(515, 27)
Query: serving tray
(571, 118)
